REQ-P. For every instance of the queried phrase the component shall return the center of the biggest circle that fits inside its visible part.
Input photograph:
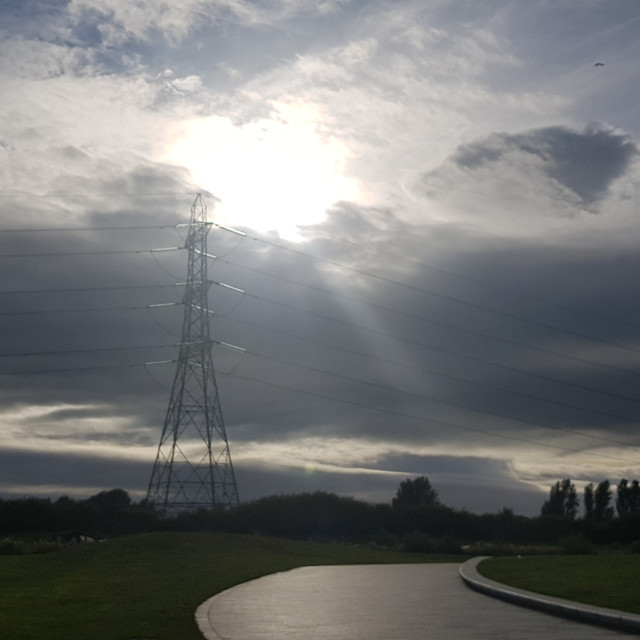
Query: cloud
(584, 162)
(29, 472)
(354, 89)
(531, 181)
(119, 21)
(187, 85)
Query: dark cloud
(75, 302)
(469, 482)
(587, 162)
(28, 472)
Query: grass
(148, 586)
(607, 580)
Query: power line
(360, 354)
(414, 343)
(83, 310)
(450, 352)
(317, 370)
(312, 287)
(78, 229)
(85, 350)
(428, 398)
(456, 327)
(446, 297)
(79, 369)
(336, 320)
(352, 403)
(91, 289)
(335, 294)
(382, 307)
(432, 372)
(323, 344)
(85, 194)
(475, 281)
(431, 421)
(347, 267)
(334, 263)
(59, 254)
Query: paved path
(377, 602)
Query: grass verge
(148, 586)
(601, 580)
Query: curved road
(377, 602)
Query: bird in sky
(599, 64)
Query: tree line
(564, 501)
(414, 520)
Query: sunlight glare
(271, 174)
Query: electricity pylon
(193, 466)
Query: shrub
(9, 547)
(417, 543)
(576, 544)
(634, 547)
(12, 547)
(447, 545)
(383, 538)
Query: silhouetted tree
(602, 509)
(110, 511)
(588, 502)
(26, 514)
(563, 500)
(318, 515)
(416, 492)
(628, 498)
(112, 500)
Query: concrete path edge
(203, 621)
(601, 616)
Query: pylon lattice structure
(193, 467)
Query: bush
(9, 547)
(576, 544)
(417, 542)
(383, 538)
(634, 547)
(12, 547)
(43, 546)
(447, 546)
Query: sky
(440, 201)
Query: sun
(272, 174)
